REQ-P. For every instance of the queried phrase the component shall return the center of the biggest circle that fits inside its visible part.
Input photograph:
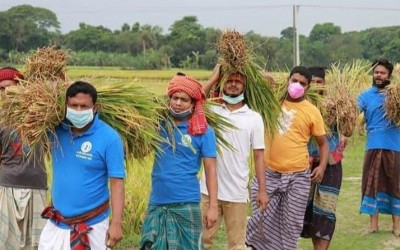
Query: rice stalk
(392, 103)
(232, 48)
(236, 57)
(46, 63)
(33, 110)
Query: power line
(349, 7)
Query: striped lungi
(320, 216)
(381, 182)
(175, 226)
(280, 225)
(20, 220)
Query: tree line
(187, 43)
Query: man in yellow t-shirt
(288, 175)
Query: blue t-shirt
(82, 166)
(382, 133)
(174, 177)
(333, 140)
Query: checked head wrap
(189, 85)
(9, 73)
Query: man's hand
(114, 234)
(262, 200)
(317, 174)
(216, 74)
(343, 142)
(210, 217)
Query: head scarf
(216, 91)
(10, 74)
(187, 84)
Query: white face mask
(79, 118)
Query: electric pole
(296, 44)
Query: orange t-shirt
(286, 151)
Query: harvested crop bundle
(235, 57)
(392, 103)
(46, 63)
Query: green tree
(25, 27)
(186, 36)
(322, 32)
(90, 38)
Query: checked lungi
(174, 226)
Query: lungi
(280, 225)
(381, 182)
(174, 226)
(20, 220)
(320, 217)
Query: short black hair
(82, 87)
(302, 71)
(317, 71)
(385, 63)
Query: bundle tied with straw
(235, 56)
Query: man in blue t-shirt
(320, 216)
(173, 219)
(87, 155)
(381, 173)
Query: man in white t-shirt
(232, 165)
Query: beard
(381, 85)
(231, 95)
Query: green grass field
(351, 226)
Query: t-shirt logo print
(286, 119)
(86, 146)
(186, 140)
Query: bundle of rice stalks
(33, 109)
(392, 103)
(341, 111)
(232, 48)
(396, 74)
(353, 76)
(133, 112)
(236, 57)
(343, 84)
(47, 63)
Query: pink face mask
(295, 90)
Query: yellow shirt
(286, 151)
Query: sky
(266, 17)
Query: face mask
(79, 118)
(295, 90)
(233, 100)
(183, 115)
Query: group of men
(294, 192)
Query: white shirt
(233, 165)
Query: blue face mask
(233, 100)
(183, 115)
(79, 118)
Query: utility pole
(296, 44)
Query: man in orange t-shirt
(288, 175)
